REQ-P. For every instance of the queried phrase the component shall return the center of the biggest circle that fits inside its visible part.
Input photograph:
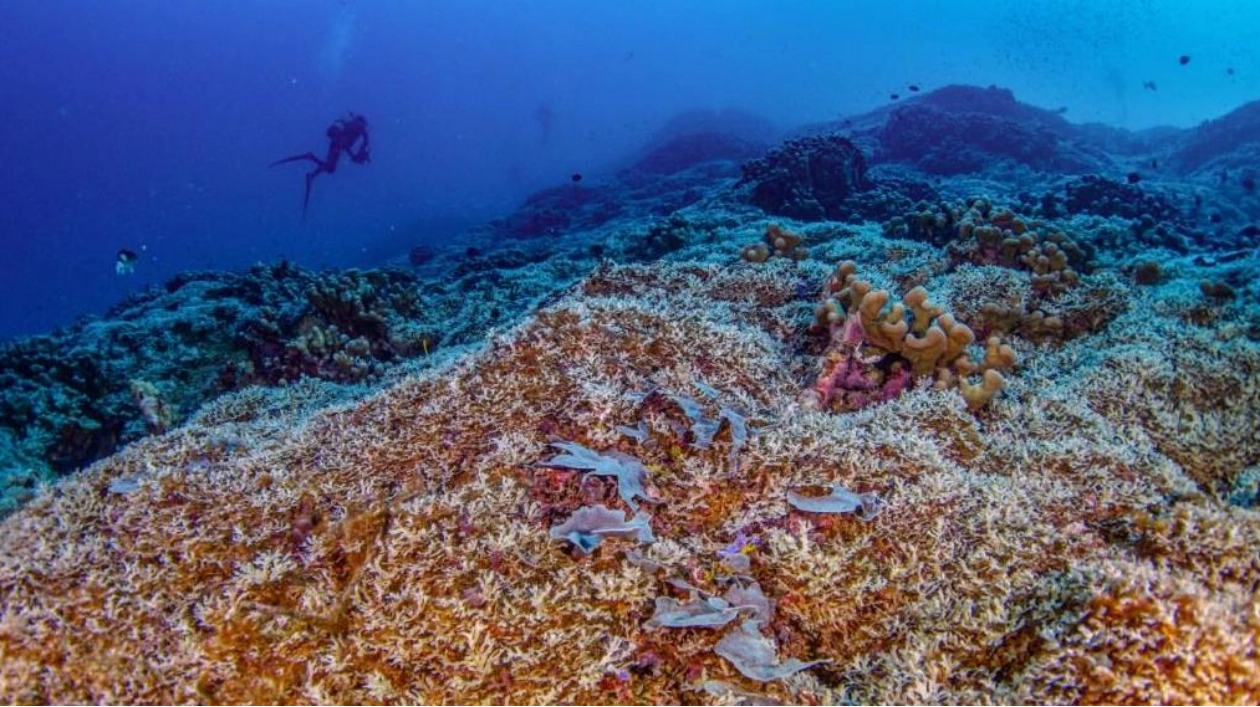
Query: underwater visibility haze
(646, 352)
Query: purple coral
(851, 381)
(741, 545)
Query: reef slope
(1072, 542)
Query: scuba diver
(342, 136)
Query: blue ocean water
(148, 125)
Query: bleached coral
(397, 546)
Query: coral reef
(1229, 142)
(777, 242)
(807, 179)
(1194, 409)
(960, 130)
(661, 239)
(553, 211)
(342, 327)
(915, 134)
(79, 394)
(1040, 315)
(400, 548)
(1050, 300)
(1202, 654)
(1152, 220)
(672, 175)
(686, 151)
(1094, 194)
(874, 353)
(984, 236)
(977, 232)
(622, 464)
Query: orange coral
(777, 241)
(875, 350)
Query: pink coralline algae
(851, 380)
(876, 352)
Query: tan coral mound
(398, 549)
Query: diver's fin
(304, 156)
(306, 200)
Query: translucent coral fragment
(739, 431)
(643, 562)
(738, 564)
(628, 470)
(707, 612)
(710, 391)
(755, 656)
(638, 433)
(841, 500)
(750, 596)
(744, 594)
(702, 428)
(589, 525)
(124, 485)
(705, 429)
(735, 556)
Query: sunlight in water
(332, 58)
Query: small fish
(1154, 163)
(1248, 184)
(1183, 59)
(1150, 86)
(126, 262)
(1133, 177)
(914, 88)
(577, 177)
(894, 96)
(1229, 70)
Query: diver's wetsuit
(342, 136)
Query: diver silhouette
(342, 136)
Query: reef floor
(1070, 542)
